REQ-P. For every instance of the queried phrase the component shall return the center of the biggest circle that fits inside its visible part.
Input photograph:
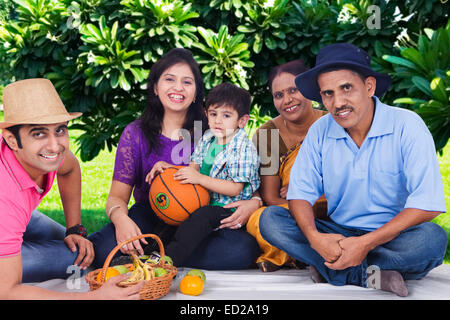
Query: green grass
(444, 219)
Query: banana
(149, 273)
(136, 275)
(139, 273)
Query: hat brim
(44, 120)
(309, 88)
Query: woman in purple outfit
(165, 132)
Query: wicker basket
(154, 288)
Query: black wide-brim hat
(339, 55)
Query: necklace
(289, 141)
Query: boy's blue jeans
(44, 254)
(413, 253)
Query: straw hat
(33, 101)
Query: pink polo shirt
(19, 196)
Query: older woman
(278, 142)
(174, 102)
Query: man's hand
(354, 251)
(85, 249)
(111, 291)
(327, 245)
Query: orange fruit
(110, 272)
(191, 285)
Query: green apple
(160, 272)
(198, 273)
(167, 260)
(121, 268)
(151, 261)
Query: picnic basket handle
(120, 245)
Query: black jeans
(191, 232)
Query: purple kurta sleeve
(127, 155)
(133, 161)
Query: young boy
(224, 161)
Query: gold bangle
(110, 210)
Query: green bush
(424, 72)
(98, 52)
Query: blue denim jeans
(225, 249)
(44, 254)
(413, 253)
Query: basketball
(172, 201)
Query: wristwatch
(77, 229)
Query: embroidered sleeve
(127, 155)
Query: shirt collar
(14, 168)
(381, 124)
(238, 138)
(235, 142)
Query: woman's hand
(126, 229)
(240, 217)
(283, 192)
(117, 211)
(158, 167)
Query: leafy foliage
(225, 55)
(424, 72)
(98, 52)
(160, 24)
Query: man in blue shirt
(378, 169)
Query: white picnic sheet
(252, 284)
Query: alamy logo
(373, 277)
(374, 21)
(74, 20)
(73, 282)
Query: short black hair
(230, 95)
(15, 131)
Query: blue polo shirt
(395, 168)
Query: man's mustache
(343, 108)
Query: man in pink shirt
(34, 148)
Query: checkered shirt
(238, 162)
